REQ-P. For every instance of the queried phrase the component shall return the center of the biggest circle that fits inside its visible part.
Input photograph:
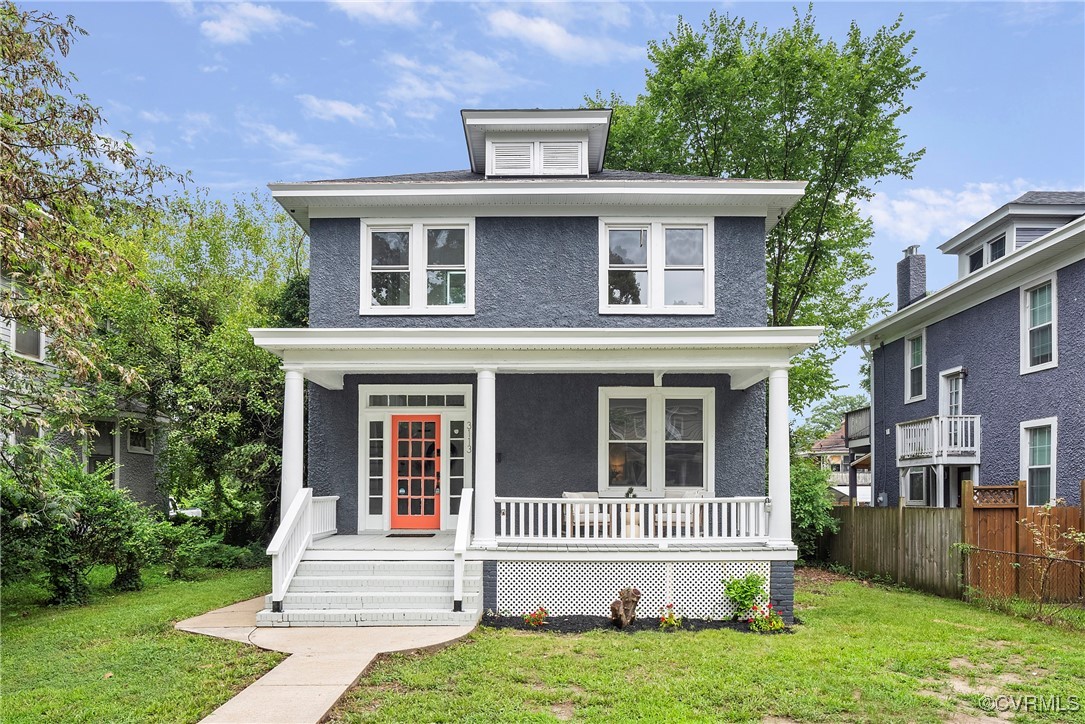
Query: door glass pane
(684, 419)
(683, 287)
(685, 465)
(628, 287)
(391, 289)
(684, 247)
(445, 247)
(628, 247)
(446, 286)
(628, 464)
(628, 419)
(390, 248)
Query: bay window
(419, 268)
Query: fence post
(901, 504)
(967, 523)
(851, 524)
(1022, 513)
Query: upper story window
(1038, 446)
(658, 267)
(996, 249)
(988, 252)
(418, 268)
(140, 440)
(975, 261)
(1039, 326)
(915, 367)
(28, 341)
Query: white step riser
(361, 583)
(395, 569)
(340, 617)
(301, 601)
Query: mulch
(583, 624)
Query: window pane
(137, 438)
(917, 351)
(684, 420)
(391, 289)
(628, 464)
(628, 419)
(628, 246)
(445, 247)
(446, 287)
(391, 248)
(975, 261)
(997, 249)
(1039, 344)
(1039, 486)
(1039, 305)
(915, 381)
(684, 247)
(916, 486)
(1039, 446)
(685, 465)
(102, 444)
(683, 287)
(27, 341)
(628, 287)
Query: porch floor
(379, 546)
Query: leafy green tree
(734, 100)
(826, 417)
(811, 506)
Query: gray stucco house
(531, 383)
(984, 380)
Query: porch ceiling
(745, 353)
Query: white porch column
(779, 460)
(293, 438)
(485, 457)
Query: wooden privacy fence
(919, 547)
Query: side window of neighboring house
(917, 486)
(1039, 326)
(26, 431)
(101, 446)
(915, 367)
(418, 268)
(656, 267)
(28, 341)
(1039, 442)
(140, 439)
(656, 440)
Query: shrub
(744, 592)
(810, 505)
(765, 619)
(181, 546)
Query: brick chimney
(911, 277)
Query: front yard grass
(864, 653)
(119, 658)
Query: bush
(811, 504)
(744, 592)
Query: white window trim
(417, 268)
(944, 378)
(656, 397)
(656, 265)
(908, 397)
(968, 259)
(136, 448)
(367, 414)
(42, 342)
(1024, 323)
(1024, 461)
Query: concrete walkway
(324, 662)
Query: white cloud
(154, 116)
(238, 22)
(213, 68)
(921, 215)
(291, 150)
(552, 37)
(194, 124)
(387, 12)
(280, 79)
(329, 109)
(464, 78)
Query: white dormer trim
(550, 154)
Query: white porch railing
(459, 549)
(619, 520)
(307, 519)
(941, 436)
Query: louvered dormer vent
(536, 158)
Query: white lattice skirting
(576, 588)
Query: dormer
(531, 143)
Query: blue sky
(245, 93)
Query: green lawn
(865, 653)
(119, 658)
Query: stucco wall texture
(537, 272)
(985, 340)
(547, 434)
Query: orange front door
(416, 471)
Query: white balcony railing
(942, 437)
(619, 520)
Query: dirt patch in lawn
(812, 578)
(583, 624)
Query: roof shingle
(1059, 198)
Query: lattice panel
(583, 588)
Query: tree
(63, 181)
(825, 418)
(733, 100)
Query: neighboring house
(130, 438)
(499, 356)
(833, 453)
(984, 380)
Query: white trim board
(1023, 459)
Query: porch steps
(376, 593)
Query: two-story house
(533, 382)
(984, 380)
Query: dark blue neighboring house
(532, 383)
(984, 380)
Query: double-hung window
(656, 441)
(656, 267)
(417, 268)
(1038, 446)
(915, 367)
(1039, 326)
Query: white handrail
(625, 520)
(939, 436)
(287, 547)
(463, 539)
(324, 516)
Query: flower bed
(583, 624)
